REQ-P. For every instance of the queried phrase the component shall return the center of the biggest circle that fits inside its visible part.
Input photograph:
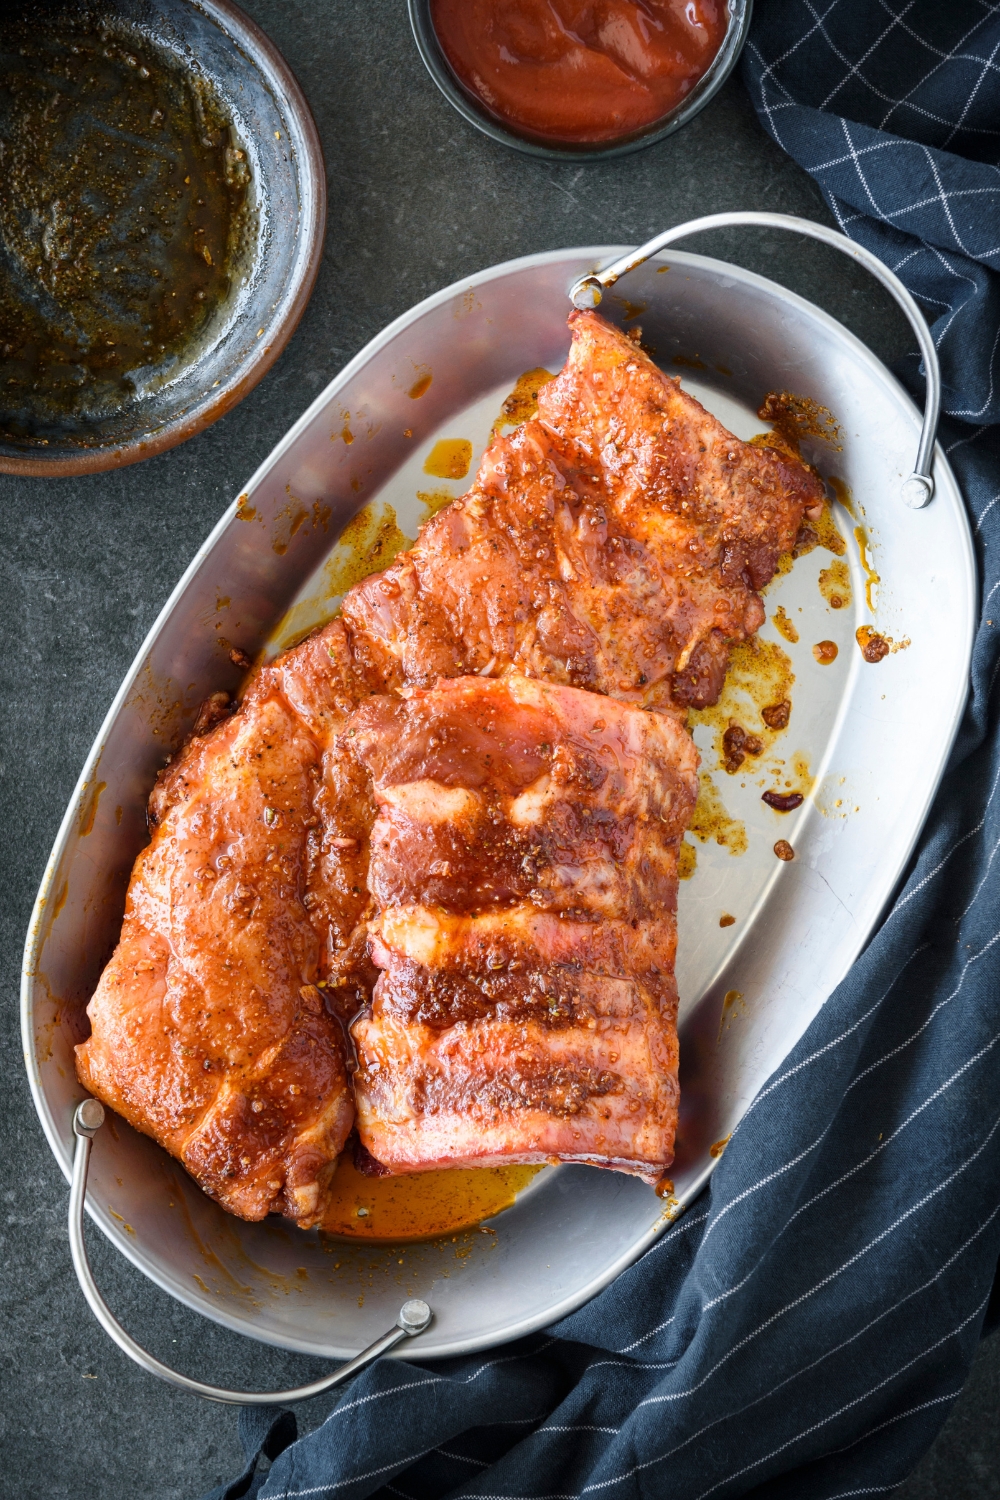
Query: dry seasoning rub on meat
(524, 868)
(208, 1030)
(611, 549)
(616, 543)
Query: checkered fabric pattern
(893, 106)
(804, 1328)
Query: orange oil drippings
(449, 458)
(419, 1205)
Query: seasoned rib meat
(524, 865)
(208, 1029)
(616, 543)
(525, 896)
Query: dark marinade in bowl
(126, 217)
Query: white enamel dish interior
(876, 739)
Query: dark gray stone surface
(417, 199)
(964, 1460)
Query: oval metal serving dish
(876, 739)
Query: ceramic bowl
(275, 280)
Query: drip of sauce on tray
(418, 1205)
(123, 216)
(580, 73)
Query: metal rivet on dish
(414, 1316)
(89, 1117)
(917, 491)
(586, 292)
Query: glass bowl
(471, 107)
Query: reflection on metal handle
(414, 1316)
(918, 489)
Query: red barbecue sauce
(578, 72)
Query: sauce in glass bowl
(579, 73)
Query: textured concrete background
(417, 200)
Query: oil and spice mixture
(418, 1205)
(125, 214)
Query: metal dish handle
(414, 1317)
(918, 488)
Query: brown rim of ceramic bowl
(472, 108)
(304, 139)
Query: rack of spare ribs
(422, 881)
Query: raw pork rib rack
(456, 810)
(524, 869)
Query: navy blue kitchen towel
(804, 1329)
